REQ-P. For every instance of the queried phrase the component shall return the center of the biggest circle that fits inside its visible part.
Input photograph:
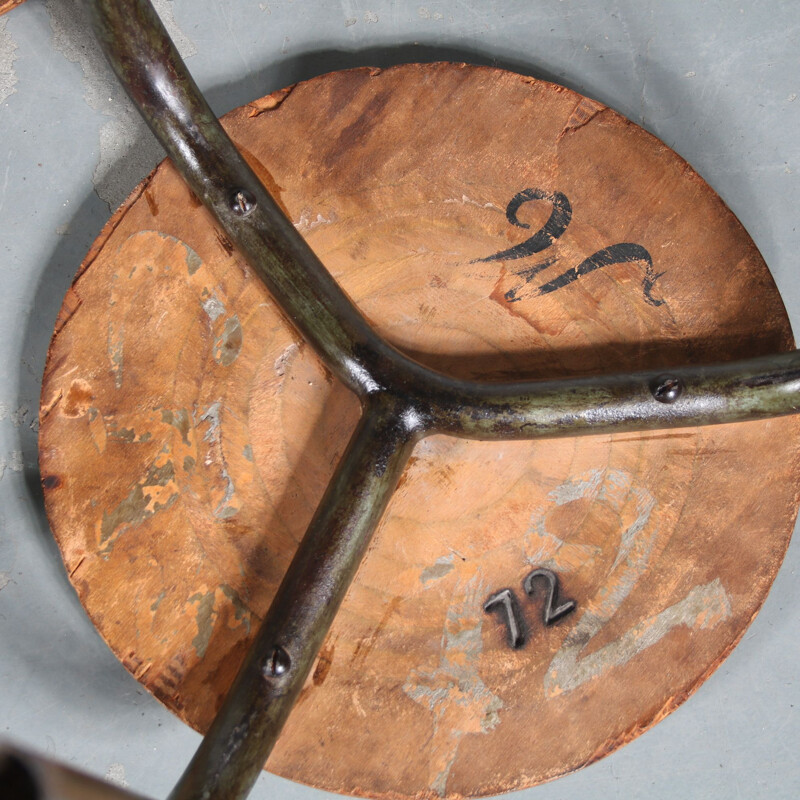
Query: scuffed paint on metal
(8, 54)
(128, 151)
(704, 607)
(453, 691)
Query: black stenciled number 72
(560, 217)
(506, 601)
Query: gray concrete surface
(718, 81)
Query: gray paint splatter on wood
(441, 567)
(453, 690)
(224, 509)
(213, 307)
(703, 607)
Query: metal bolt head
(242, 202)
(667, 388)
(277, 663)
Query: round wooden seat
(495, 227)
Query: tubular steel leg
(241, 737)
(402, 400)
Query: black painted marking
(556, 225)
(553, 612)
(506, 600)
(527, 276)
(623, 253)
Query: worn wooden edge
(674, 703)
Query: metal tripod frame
(402, 401)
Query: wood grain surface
(187, 434)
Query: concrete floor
(717, 81)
